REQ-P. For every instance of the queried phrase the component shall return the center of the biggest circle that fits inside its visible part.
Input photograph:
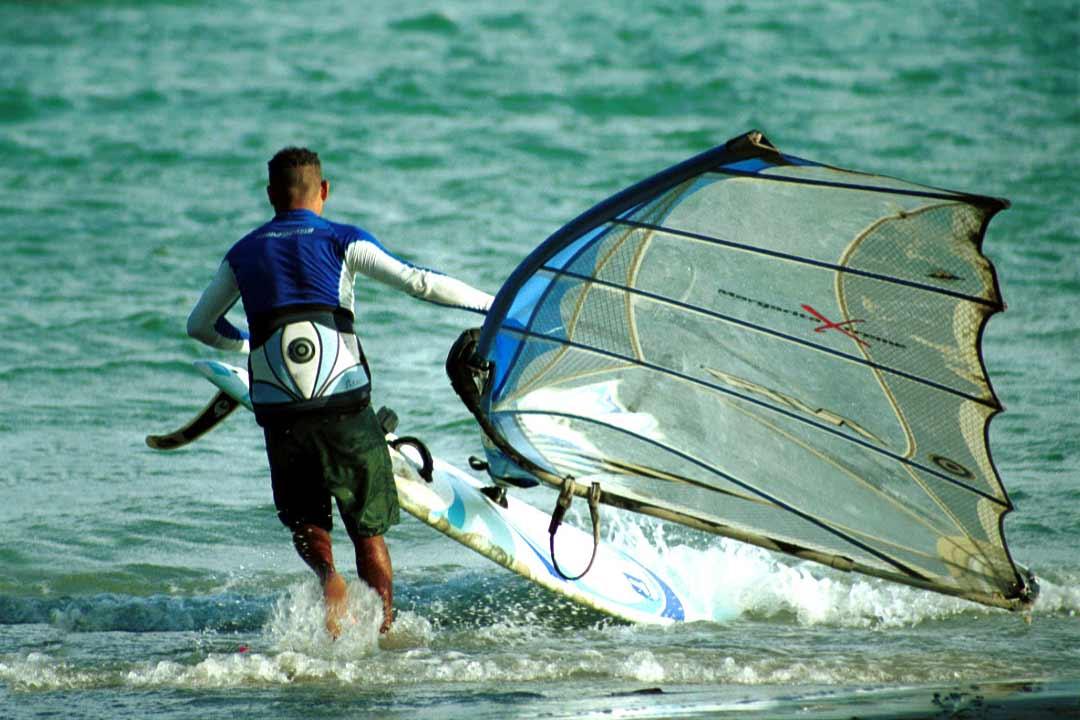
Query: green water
(133, 137)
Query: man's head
(296, 180)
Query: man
(310, 384)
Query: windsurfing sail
(768, 348)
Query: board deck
(516, 536)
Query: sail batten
(773, 408)
(989, 402)
(996, 203)
(991, 303)
(767, 348)
(841, 533)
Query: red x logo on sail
(830, 325)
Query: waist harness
(309, 361)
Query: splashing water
(728, 579)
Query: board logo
(640, 587)
(808, 312)
(951, 466)
(839, 326)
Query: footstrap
(427, 463)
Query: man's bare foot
(335, 596)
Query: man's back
(295, 259)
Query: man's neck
(297, 208)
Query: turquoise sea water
(133, 137)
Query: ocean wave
(120, 613)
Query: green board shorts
(341, 455)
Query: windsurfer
(295, 277)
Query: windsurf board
(515, 535)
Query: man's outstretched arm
(371, 259)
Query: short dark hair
(295, 172)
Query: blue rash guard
(295, 276)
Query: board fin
(388, 419)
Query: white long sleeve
(367, 258)
(207, 324)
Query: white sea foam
(726, 579)
(616, 653)
(293, 646)
(426, 666)
(41, 671)
(1061, 595)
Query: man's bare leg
(315, 547)
(374, 567)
